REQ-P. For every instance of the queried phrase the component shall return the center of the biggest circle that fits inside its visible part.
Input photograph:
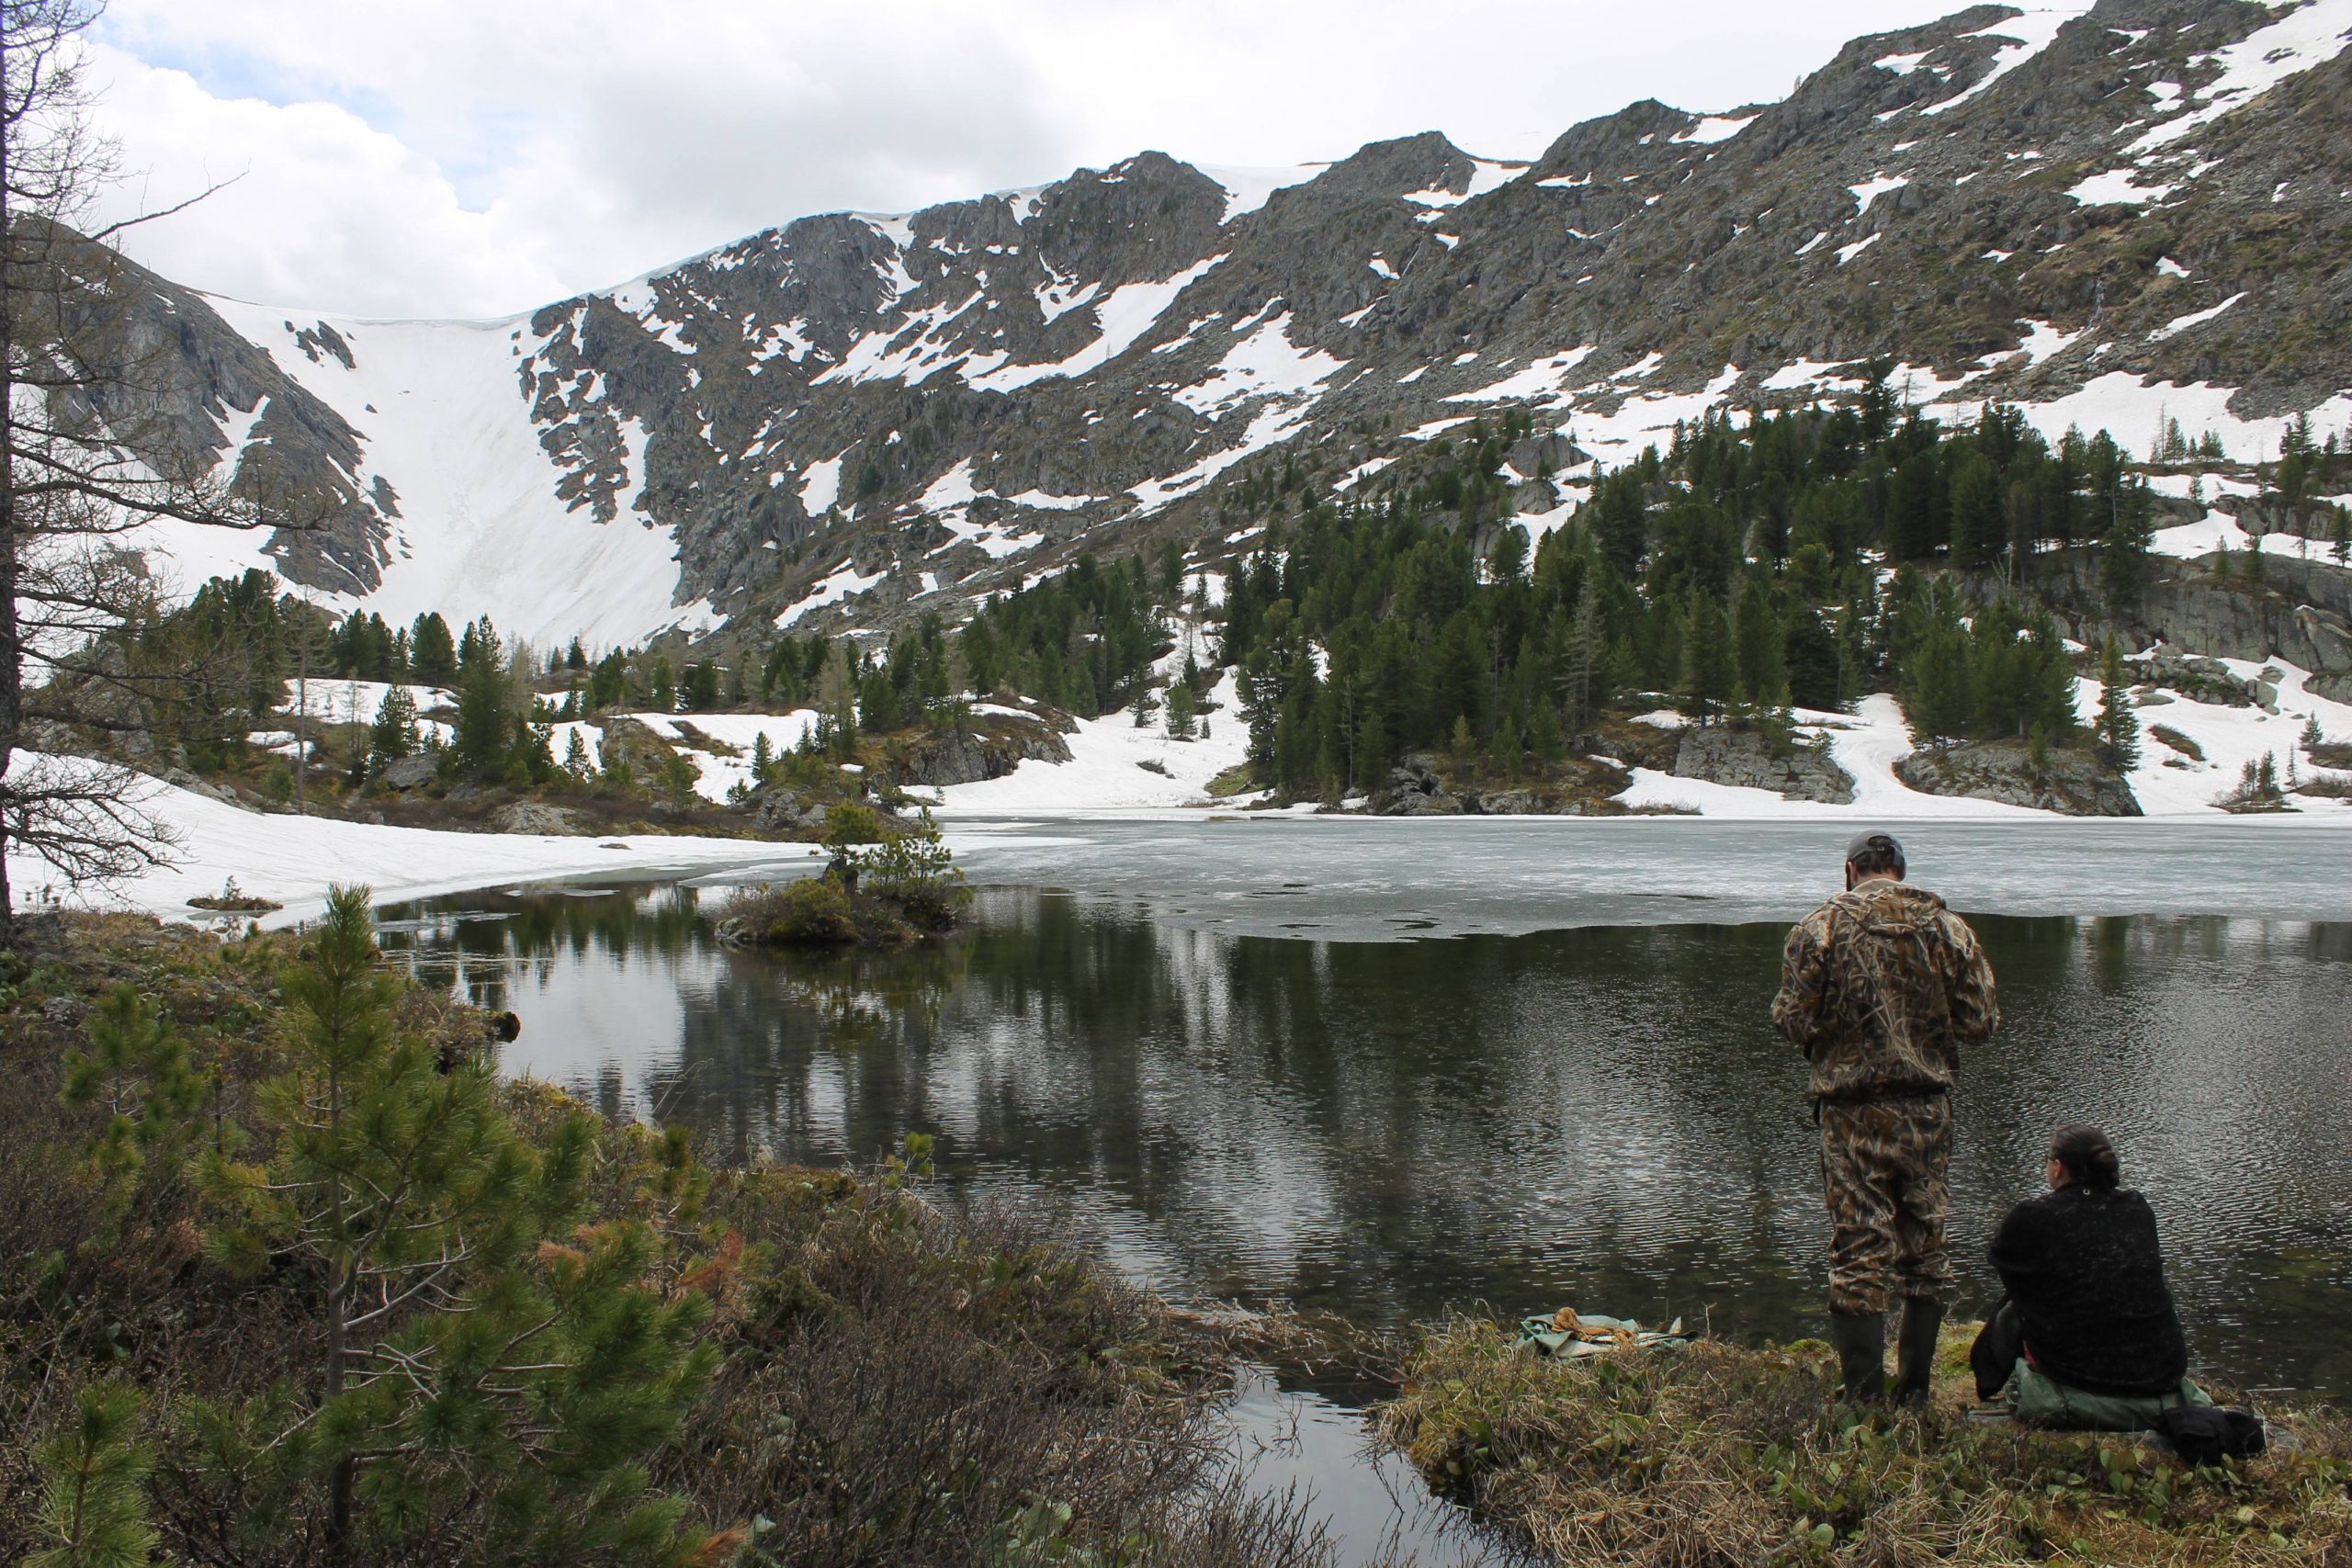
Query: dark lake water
(1598, 1117)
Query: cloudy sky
(478, 157)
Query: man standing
(1880, 985)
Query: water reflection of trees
(483, 943)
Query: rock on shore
(2068, 781)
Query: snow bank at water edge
(1867, 744)
(1106, 771)
(293, 860)
(2168, 782)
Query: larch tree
(81, 483)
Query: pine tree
(1939, 695)
(432, 655)
(2127, 546)
(93, 1476)
(2118, 726)
(393, 734)
(575, 758)
(1581, 655)
(1917, 519)
(1978, 524)
(1708, 674)
(137, 1071)
(463, 1348)
(1761, 646)
(1181, 704)
(484, 730)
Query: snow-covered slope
(479, 528)
(293, 860)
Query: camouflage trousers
(1883, 1171)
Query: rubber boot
(1860, 1339)
(1915, 1354)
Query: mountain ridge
(2118, 217)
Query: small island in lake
(888, 882)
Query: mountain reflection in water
(1600, 1117)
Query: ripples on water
(1598, 1117)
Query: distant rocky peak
(1140, 221)
(1638, 139)
(1391, 169)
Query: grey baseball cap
(1874, 842)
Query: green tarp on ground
(1570, 1333)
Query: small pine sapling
(139, 1072)
(93, 1473)
(1180, 706)
(466, 1356)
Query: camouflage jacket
(1880, 985)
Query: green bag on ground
(2041, 1401)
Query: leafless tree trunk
(75, 479)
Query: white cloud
(455, 157)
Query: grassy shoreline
(1716, 1454)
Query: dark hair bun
(2087, 1155)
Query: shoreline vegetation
(1716, 1453)
(564, 1337)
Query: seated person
(2086, 1336)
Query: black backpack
(2206, 1434)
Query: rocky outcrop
(1417, 788)
(537, 816)
(2236, 619)
(1751, 759)
(968, 756)
(408, 772)
(782, 812)
(2071, 783)
(2165, 668)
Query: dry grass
(1717, 1456)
